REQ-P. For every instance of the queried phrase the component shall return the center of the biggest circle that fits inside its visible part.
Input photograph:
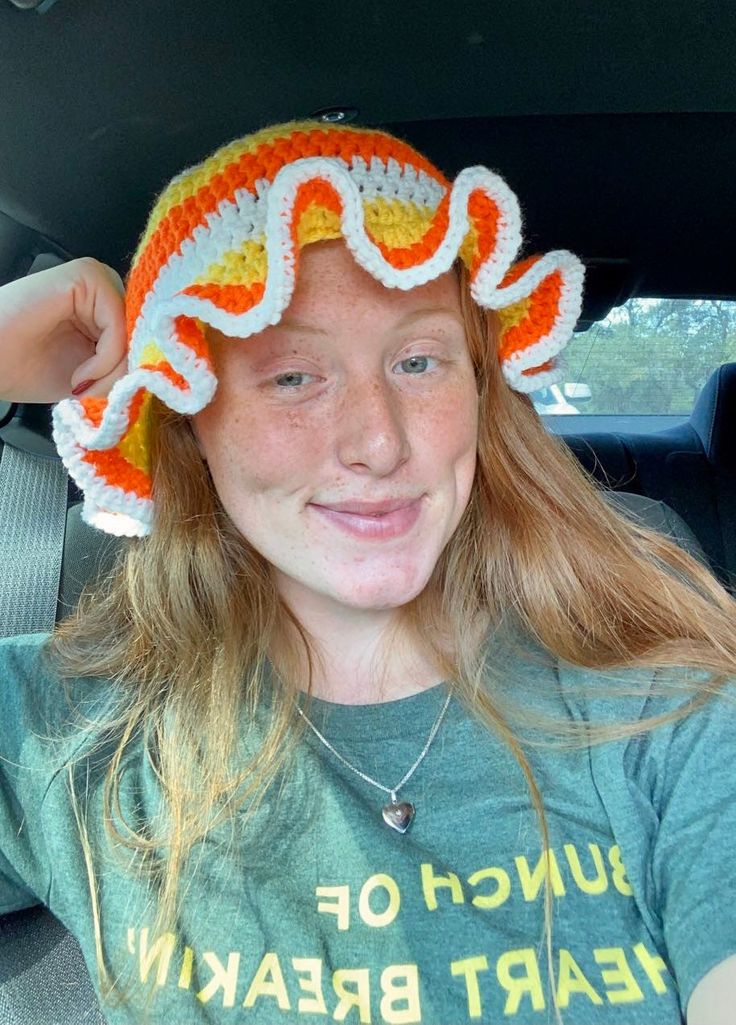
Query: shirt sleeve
(689, 769)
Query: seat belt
(33, 500)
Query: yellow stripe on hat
(317, 224)
(468, 246)
(134, 447)
(397, 223)
(242, 266)
(151, 354)
(510, 316)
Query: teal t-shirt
(331, 916)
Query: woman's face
(361, 394)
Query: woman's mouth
(379, 526)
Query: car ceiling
(615, 123)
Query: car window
(649, 356)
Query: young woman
(385, 715)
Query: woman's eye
(416, 365)
(291, 379)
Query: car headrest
(28, 426)
(714, 417)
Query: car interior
(615, 125)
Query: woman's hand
(59, 328)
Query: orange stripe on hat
(543, 310)
(549, 365)
(110, 466)
(94, 408)
(484, 214)
(233, 298)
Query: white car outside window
(551, 401)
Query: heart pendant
(398, 815)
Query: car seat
(691, 468)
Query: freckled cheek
(279, 456)
(451, 428)
(261, 450)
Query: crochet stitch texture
(221, 247)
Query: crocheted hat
(221, 248)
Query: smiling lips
(380, 520)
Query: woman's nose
(371, 428)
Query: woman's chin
(381, 588)
(379, 594)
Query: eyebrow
(292, 324)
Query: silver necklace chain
(387, 790)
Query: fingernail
(82, 387)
